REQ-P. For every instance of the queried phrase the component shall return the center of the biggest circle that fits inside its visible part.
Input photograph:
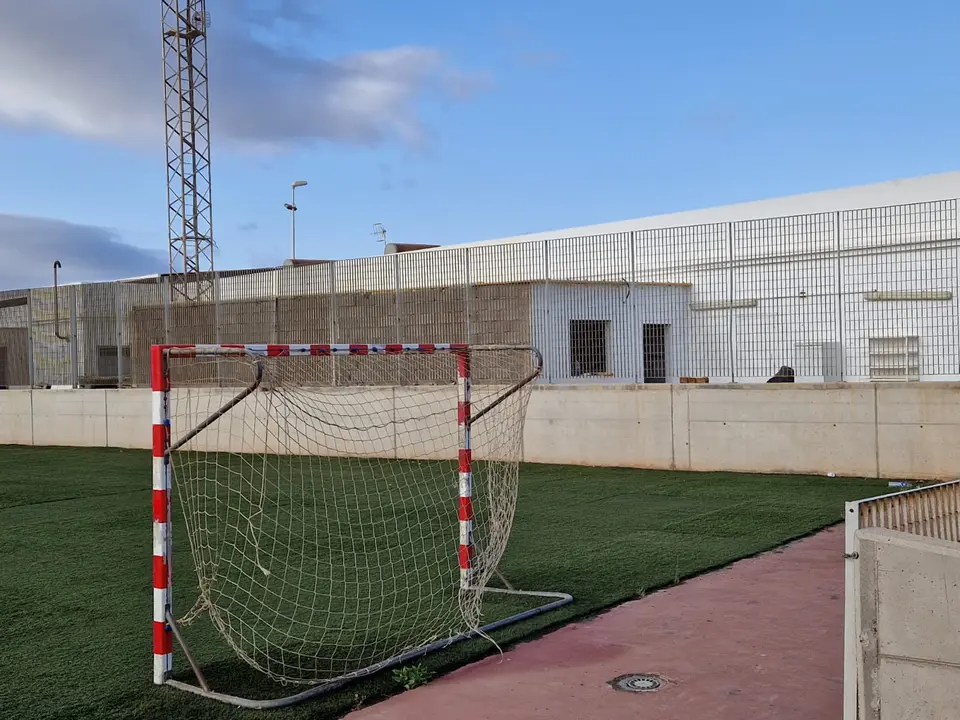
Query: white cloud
(29, 246)
(92, 69)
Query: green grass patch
(75, 571)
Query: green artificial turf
(76, 593)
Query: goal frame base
(165, 628)
(557, 600)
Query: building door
(655, 353)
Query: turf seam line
(70, 499)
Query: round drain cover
(637, 683)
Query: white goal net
(343, 510)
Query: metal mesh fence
(854, 295)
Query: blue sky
(530, 116)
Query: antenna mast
(189, 216)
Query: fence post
(332, 311)
(548, 311)
(31, 351)
(118, 327)
(397, 325)
(216, 320)
(730, 330)
(216, 306)
(468, 298)
(277, 291)
(397, 332)
(956, 264)
(841, 343)
(635, 324)
(166, 291)
(74, 338)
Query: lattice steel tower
(189, 213)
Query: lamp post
(292, 207)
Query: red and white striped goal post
(163, 473)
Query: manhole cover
(637, 683)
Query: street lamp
(292, 207)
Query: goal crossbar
(165, 630)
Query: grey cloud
(29, 246)
(268, 88)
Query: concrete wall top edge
(602, 387)
(612, 387)
(881, 386)
(766, 387)
(895, 537)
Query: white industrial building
(855, 284)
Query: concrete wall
(869, 430)
(374, 422)
(908, 622)
(16, 417)
(891, 431)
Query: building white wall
(868, 430)
(792, 311)
(626, 307)
(798, 303)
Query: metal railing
(853, 295)
(930, 511)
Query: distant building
(857, 284)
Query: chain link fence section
(858, 295)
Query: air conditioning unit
(819, 360)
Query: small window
(107, 366)
(895, 358)
(3, 366)
(655, 353)
(588, 347)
